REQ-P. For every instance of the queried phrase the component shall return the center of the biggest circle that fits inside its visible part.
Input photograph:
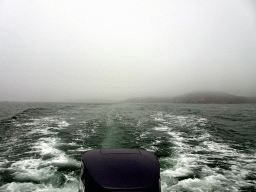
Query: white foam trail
(30, 172)
(46, 146)
(81, 149)
(70, 144)
(143, 135)
(189, 170)
(27, 170)
(209, 183)
(151, 148)
(20, 187)
(41, 130)
(162, 128)
(64, 161)
(63, 124)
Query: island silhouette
(204, 97)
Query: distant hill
(149, 100)
(197, 98)
(210, 97)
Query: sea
(200, 147)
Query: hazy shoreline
(197, 98)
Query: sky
(58, 50)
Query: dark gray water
(200, 147)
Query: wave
(198, 162)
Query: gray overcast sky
(78, 50)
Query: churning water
(200, 147)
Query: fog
(79, 51)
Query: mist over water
(200, 147)
(81, 51)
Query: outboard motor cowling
(120, 170)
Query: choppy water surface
(200, 147)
